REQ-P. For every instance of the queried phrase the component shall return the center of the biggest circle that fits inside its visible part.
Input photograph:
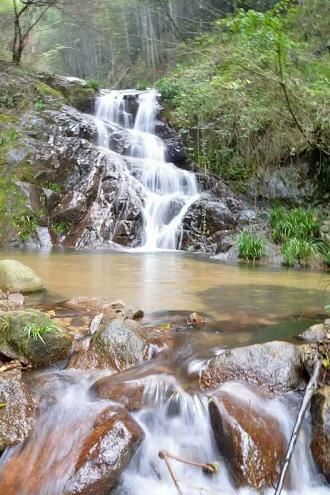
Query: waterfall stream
(167, 191)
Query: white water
(167, 191)
(180, 424)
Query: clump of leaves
(61, 227)
(8, 136)
(300, 251)
(298, 223)
(39, 105)
(250, 247)
(36, 331)
(26, 225)
(93, 84)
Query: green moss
(44, 90)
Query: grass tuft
(250, 247)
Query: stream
(242, 304)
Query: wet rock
(128, 394)
(104, 455)
(275, 366)
(196, 319)
(16, 409)
(16, 276)
(115, 346)
(32, 337)
(319, 331)
(95, 323)
(112, 310)
(320, 409)
(250, 440)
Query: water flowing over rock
(275, 366)
(248, 435)
(16, 409)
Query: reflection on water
(236, 296)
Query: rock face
(275, 366)
(320, 446)
(82, 196)
(32, 338)
(105, 454)
(128, 394)
(249, 439)
(16, 276)
(115, 346)
(16, 409)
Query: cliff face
(65, 190)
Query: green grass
(61, 227)
(35, 331)
(25, 225)
(250, 247)
(297, 223)
(300, 251)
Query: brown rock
(249, 439)
(320, 409)
(275, 366)
(105, 454)
(111, 310)
(127, 394)
(16, 409)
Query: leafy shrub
(299, 251)
(297, 223)
(250, 247)
(93, 84)
(39, 105)
(26, 225)
(62, 227)
(327, 257)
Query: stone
(41, 348)
(320, 410)
(316, 332)
(16, 409)
(128, 394)
(115, 346)
(250, 440)
(275, 366)
(111, 310)
(104, 454)
(16, 276)
(196, 319)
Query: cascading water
(167, 191)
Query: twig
(163, 455)
(311, 387)
(207, 468)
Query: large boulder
(250, 440)
(96, 305)
(320, 409)
(319, 331)
(275, 366)
(16, 409)
(115, 346)
(104, 454)
(33, 338)
(16, 276)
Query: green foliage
(8, 136)
(300, 251)
(250, 247)
(296, 223)
(93, 84)
(53, 186)
(7, 101)
(39, 105)
(327, 257)
(230, 93)
(36, 331)
(26, 225)
(61, 227)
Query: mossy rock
(33, 338)
(16, 276)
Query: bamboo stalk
(311, 387)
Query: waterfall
(168, 191)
